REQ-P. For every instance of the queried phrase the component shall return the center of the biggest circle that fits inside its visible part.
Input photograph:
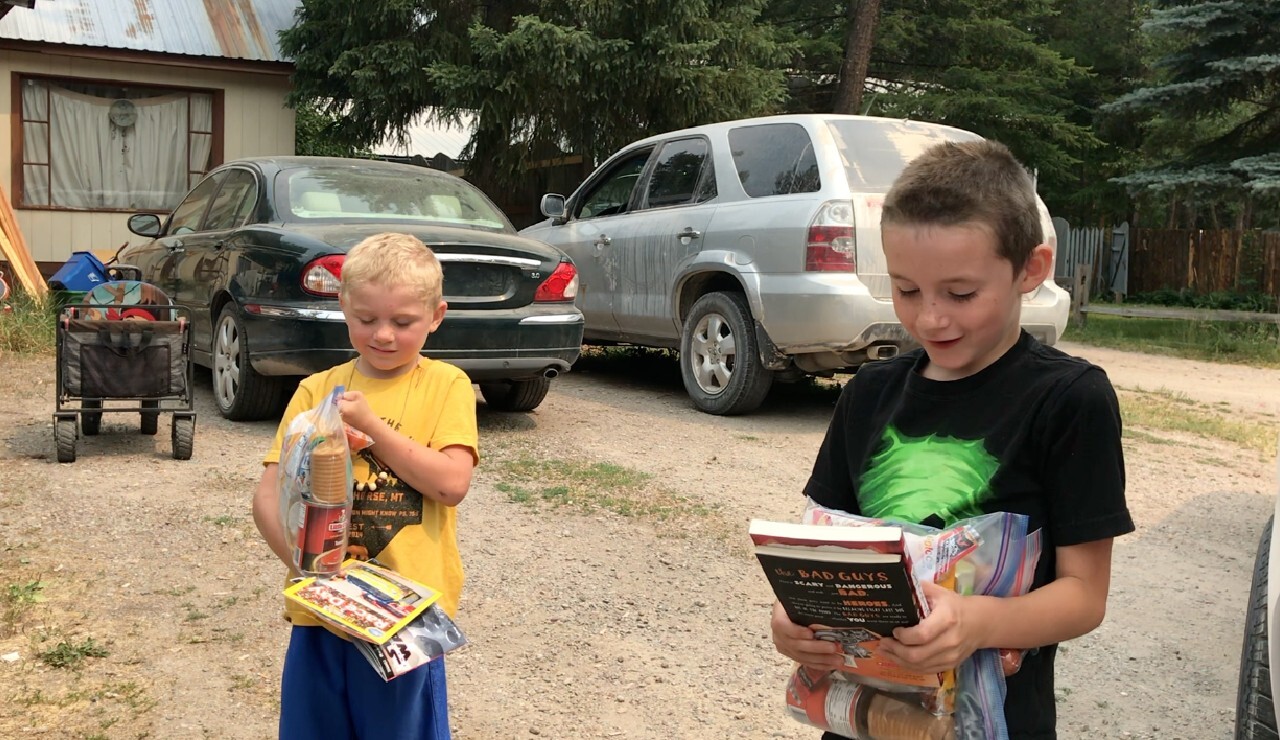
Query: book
(429, 636)
(852, 585)
(364, 600)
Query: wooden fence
(1205, 261)
(1131, 261)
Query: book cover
(364, 600)
(854, 585)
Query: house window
(106, 147)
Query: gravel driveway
(635, 615)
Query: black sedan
(255, 252)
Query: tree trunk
(862, 15)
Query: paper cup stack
(328, 475)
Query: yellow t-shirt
(413, 535)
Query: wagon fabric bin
(123, 359)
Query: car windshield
(876, 151)
(370, 193)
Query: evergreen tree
(583, 76)
(1215, 109)
(983, 65)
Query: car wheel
(515, 395)
(1255, 711)
(720, 356)
(90, 422)
(239, 392)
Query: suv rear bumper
(815, 313)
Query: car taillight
(323, 276)
(560, 286)
(832, 246)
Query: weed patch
(1176, 413)
(72, 654)
(593, 487)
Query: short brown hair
(391, 260)
(955, 183)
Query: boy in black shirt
(982, 418)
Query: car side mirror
(145, 224)
(552, 206)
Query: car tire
(90, 422)
(515, 395)
(720, 356)
(1255, 710)
(239, 392)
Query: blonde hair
(969, 182)
(394, 260)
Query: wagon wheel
(182, 434)
(90, 422)
(64, 433)
(150, 419)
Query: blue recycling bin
(79, 274)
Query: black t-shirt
(1037, 432)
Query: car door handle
(689, 233)
(218, 244)
(175, 246)
(602, 241)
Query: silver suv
(752, 247)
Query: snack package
(423, 640)
(315, 485)
(990, 555)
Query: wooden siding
(255, 122)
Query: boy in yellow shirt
(421, 415)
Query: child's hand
(798, 643)
(940, 641)
(355, 410)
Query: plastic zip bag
(989, 555)
(315, 484)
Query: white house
(112, 107)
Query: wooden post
(1080, 292)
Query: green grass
(29, 328)
(72, 654)
(1176, 413)
(592, 487)
(15, 600)
(1215, 341)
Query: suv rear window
(774, 159)
(874, 152)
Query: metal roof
(230, 29)
(428, 138)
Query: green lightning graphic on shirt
(913, 478)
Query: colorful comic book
(364, 600)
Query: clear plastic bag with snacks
(315, 488)
(992, 555)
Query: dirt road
(589, 618)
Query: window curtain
(96, 164)
(35, 145)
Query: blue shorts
(330, 692)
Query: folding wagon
(126, 343)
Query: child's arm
(266, 514)
(1072, 604)
(440, 475)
